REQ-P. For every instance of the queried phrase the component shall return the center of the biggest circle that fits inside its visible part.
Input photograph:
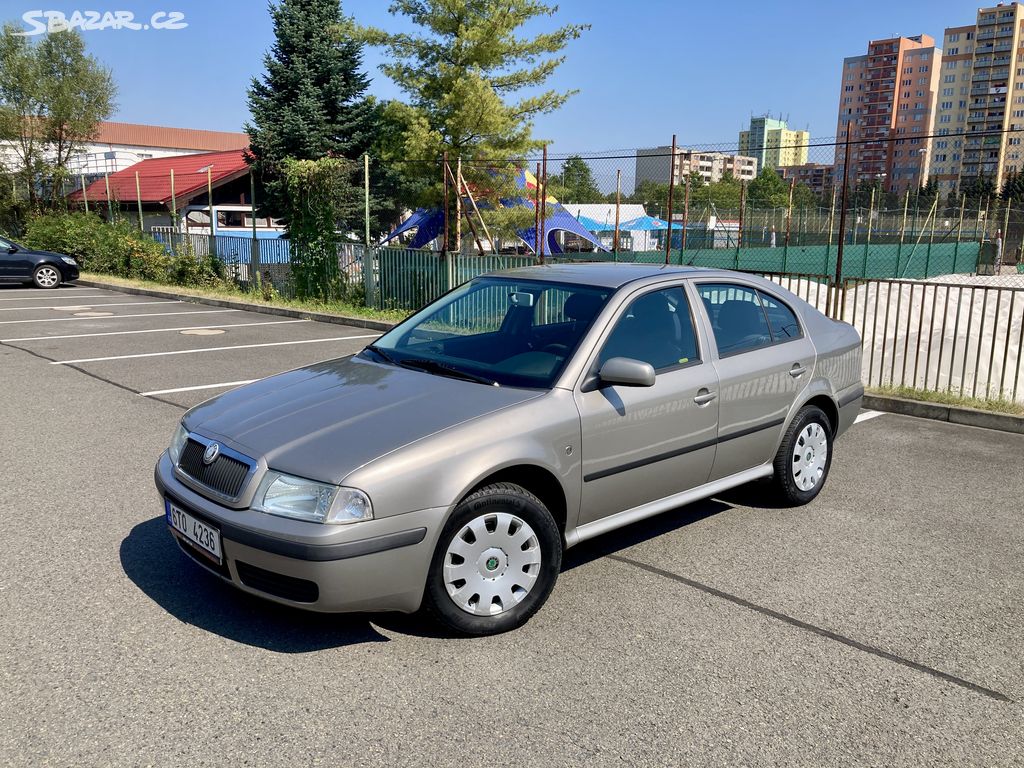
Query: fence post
(366, 196)
(138, 199)
(536, 215)
(254, 247)
(671, 189)
(842, 218)
(444, 178)
(544, 206)
(369, 284)
(686, 219)
(85, 195)
(618, 203)
(174, 215)
(110, 205)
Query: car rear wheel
(805, 456)
(496, 561)
(46, 276)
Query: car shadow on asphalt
(637, 533)
(152, 560)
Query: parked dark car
(42, 268)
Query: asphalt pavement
(879, 625)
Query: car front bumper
(376, 565)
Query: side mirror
(12, 249)
(626, 372)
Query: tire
(46, 276)
(500, 529)
(800, 468)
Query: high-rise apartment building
(654, 164)
(981, 100)
(773, 144)
(887, 98)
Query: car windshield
(496, 331)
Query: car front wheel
(496, 561)
(46, 276)
(805, 456)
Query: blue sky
(646, 69)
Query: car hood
(326, 420)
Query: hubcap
(809, 456)
(47, 277)
(491, 564)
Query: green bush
(115, 249)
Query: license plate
(205, 537)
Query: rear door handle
(704, 397)
(797, 370)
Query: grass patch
(950, 398)
(228, 291)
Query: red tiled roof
(134, 135)
(190, 178)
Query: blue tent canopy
(593, 225)
(644, 224)
(429, 224)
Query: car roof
(604, 274)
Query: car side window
(4, 245)
(737, 317)
(656, 328)
(781, 319)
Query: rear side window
(781, 319)
(737, 317)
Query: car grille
(277, 584)
(225, 475)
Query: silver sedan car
(450, 464)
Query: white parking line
(152, 330)
(201, 386)
(118, 317)
(91, 305)
(866, 415)
(38, 291)
(210, 349)
(76, 296)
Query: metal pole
(906, 207)
(671, 189)
(138, 199)
(960, 225)
(544, 205)
(831, 216)
(871, 213)
(366, 197)
(618, 203)
(444, 176)
(536, 214)
(85, 195)
(842, 219)
(686, 218)
(743, 203)
(254, 247)
(789, 209)
(209, 196)
(110, 206)
(458, 208)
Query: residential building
(887, 99)
(773, 144)
(981, 99)
(818, 177)
(120, 145)
(654, 164)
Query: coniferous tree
(311, 102)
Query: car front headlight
(301, 499)
(69, 260)
(177, 444)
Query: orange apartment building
(887, 97)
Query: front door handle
(704, 396)
(797, 370)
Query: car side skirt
(651, 508)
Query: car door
(764, 360)
(640, 444)
(12, 265)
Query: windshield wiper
(383, 354)
(444, 369)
